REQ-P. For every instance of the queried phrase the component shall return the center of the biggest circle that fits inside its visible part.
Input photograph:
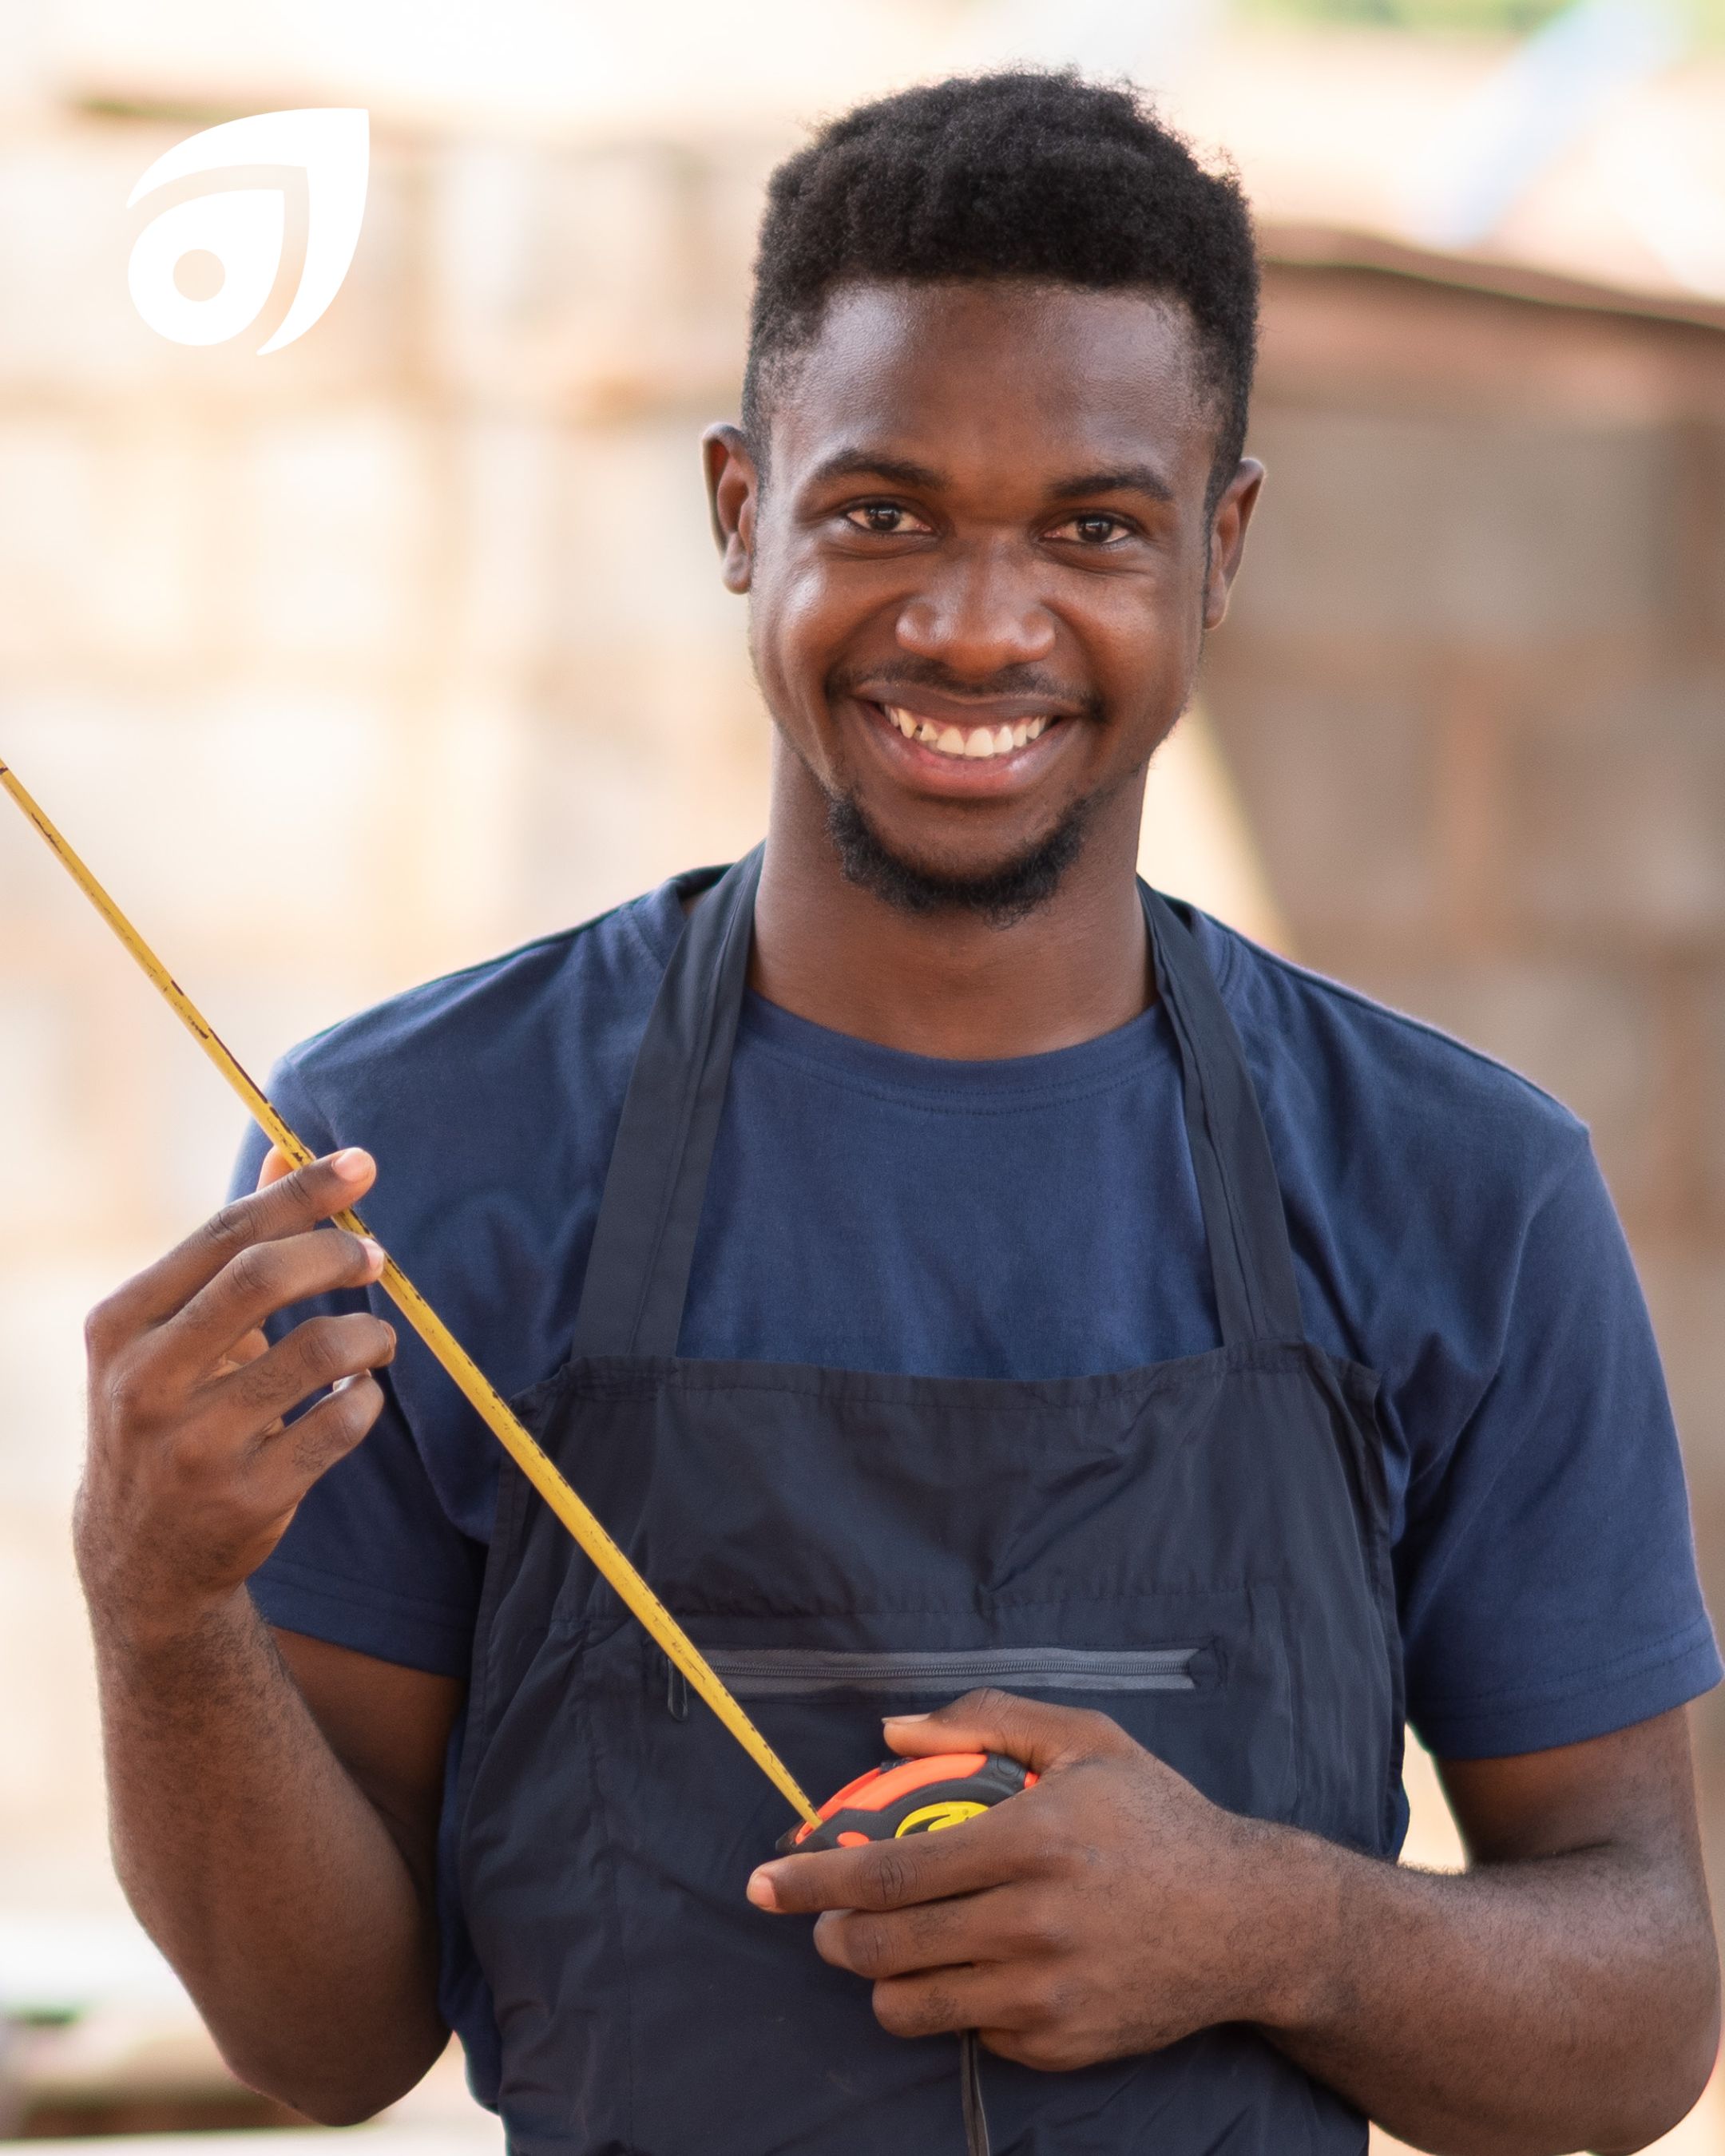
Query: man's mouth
(946, 738)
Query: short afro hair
(1027, 174)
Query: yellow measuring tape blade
(534, 1462)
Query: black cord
(970, 2089)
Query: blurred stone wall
(1472, 692)
(353, 664)
(346, 667)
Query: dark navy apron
(1197, 1549)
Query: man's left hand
(1110, 1910)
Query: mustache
(1010, 681)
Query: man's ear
(733, 487)
(1227, 531)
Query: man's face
(981, 568)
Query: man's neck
(947, 982)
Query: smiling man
(981, 1293)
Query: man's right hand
(191, 1474)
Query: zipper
(814, 1672)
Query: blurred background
(355, 663)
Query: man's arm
(1561, 1993)
(282, 1866)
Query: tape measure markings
(505, 1425)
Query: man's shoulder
(1356, 1085)
(569, 1003)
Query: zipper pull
(676, 1691)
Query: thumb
(1043, 1739)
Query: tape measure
(899, 1797)
(482, 1396)
(909, 1796)
(902, 1797)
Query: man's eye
(886, 517)
(1095, 529)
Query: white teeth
(954, 741)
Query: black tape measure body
(910, 1796)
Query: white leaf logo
(242, 227)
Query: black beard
(1003, 897)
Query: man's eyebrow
(1124, 479)
(865, 463)
(905, 472)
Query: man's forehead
(936, 376)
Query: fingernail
(352, 1163)
(760, 1891)
(887, 1720)
(374, 1253)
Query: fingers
(980, 1853)
(261, 1280)
(991, 1961)
(285, 1206)
(190, 1476)
(1026, 2015)
(901, 1943)
(962, 1859)
(276, 1165)
(322, 1352)
(246, 1349)
(292, 1460)
(1005, 1924)
(1041, 1738)
(1004, 2004)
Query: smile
(946, 739)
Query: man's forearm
(1549, 2005)
(262, 1872)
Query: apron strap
(1251, 1260)
(643, 1243)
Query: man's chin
(1004, 894)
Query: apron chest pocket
(1217, 1709)
(819, 1673)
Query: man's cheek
(790, 635)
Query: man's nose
(977, 613)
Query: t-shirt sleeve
(1548, 1576)
(370, 1559)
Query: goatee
(1003, 896)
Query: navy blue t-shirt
(1033, 1218)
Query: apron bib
(1196, 1548)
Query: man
(974, 1290)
